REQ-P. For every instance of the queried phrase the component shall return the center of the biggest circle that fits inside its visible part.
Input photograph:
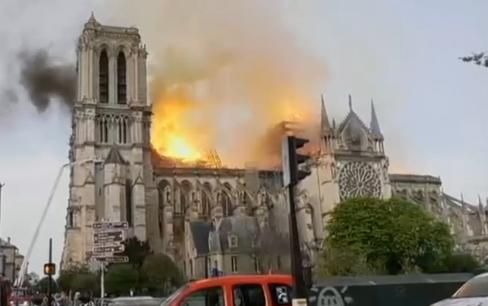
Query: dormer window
(233, 241)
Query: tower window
(121, 79)
(128, 201)
(103, 77)
(70, 219)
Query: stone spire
(350, 103)
(325, 129)
(92, 22)
(374, 125)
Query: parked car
(472, 293)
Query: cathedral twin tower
(111, 172)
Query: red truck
(20, 297)
(235, 290)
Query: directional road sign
(115, 259)
(108, 237)
(109, 249)
(110, 225)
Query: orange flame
(174, 134)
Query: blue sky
(403, 54)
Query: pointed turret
(325, 128)
(92, 21)
(374, 125)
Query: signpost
(108, 238)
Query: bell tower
(111, 124)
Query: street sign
(110, 244)
(109, 249)
(108, 237)
(110, 225)
(115, 259)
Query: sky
(402, 54)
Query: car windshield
(173, 296)
(475, 287)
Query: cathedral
(215, 220)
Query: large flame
(174, 133)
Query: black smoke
(44, 79)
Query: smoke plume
(44, 79)
(238, 65)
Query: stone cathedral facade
(213, 220)
(208, 220)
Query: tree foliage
(385, 236)
(160, 274)
(137, 251)
(42, 285)
(462, 263)
(78, 278)
(121, 278)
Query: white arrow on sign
(113, 225)
(111, 249)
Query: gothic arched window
(205, 205)
(103, 77)
(164, 198)
(122, 126)
(226, 205)
(121, 79)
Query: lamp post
(1, 186)
(1, 248)
(44, 214)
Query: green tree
(160, 274)
(462, 263)
(136, 250)
(344, 261)
(77, 278)
(391, 236)
(121, 278)
(42, 285)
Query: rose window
(358, 179)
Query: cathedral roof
(114, 157)
(353, 122)
(415, 179)
(245, 228)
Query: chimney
(8, 240)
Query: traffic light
(299, 164)
(49, 269)
(294, 162)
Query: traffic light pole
(295, 175)
(296, 255)
(50, 277)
